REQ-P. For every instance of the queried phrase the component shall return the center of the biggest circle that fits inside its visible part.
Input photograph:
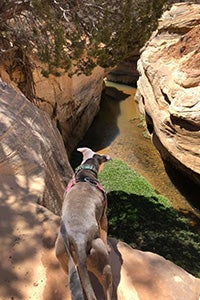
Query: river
(117, 130)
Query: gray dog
(82, 240)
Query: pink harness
(97, 184)
(71, 184)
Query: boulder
(145, 275)
(169, 87)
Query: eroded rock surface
(72, 102)
(169, 87)
(34, 170)
(145, 275)
(126, 72)
(32, 150)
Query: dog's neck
(87, 172)
(89, 169)
(85, 166)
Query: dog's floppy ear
(87, 153)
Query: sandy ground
(29, 269)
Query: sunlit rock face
(34, 171)
(169, 87)
(31, 150)
(72, 101)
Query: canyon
(37, 139)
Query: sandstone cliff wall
(169, 87)
(26, 150)
(126, 72)
(72, 102)
(34, 171)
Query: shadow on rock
(188, 188)
(104, 128)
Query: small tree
(63, 33)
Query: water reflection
(104, 129)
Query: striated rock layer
(72, 102)
(169, 87)
(126, 72)
(32, 152)
(34, 170)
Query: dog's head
(101, 158)
(88, 153)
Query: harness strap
(73, 181)
(71, 184)
(99, 186)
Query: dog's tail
(83, 272)
(78, 278)
(74, 280)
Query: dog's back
(83, 208)
(84, 228)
